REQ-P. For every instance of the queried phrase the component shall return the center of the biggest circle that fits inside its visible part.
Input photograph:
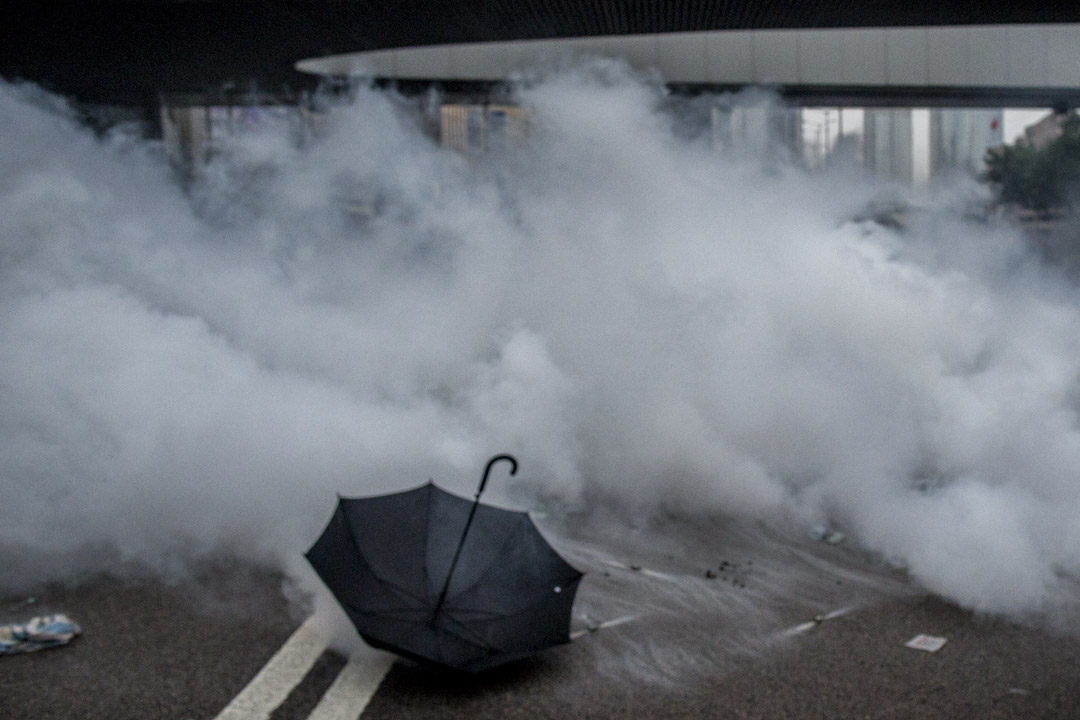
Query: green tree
(1042, 179)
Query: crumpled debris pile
(733, 572)
(38, 633)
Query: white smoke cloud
(641, 320)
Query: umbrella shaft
(454, 562)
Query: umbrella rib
(391, 613)
(462, 631)
(397, 590)
(479, 578)
(393, 587)
(525, 609)
(427, 539)
(473, 614)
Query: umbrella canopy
(434, 577)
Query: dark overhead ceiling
(124, 52)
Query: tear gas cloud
(643, 320)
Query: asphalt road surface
(672, 621)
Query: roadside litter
(38, 633)
(929, 643)
(735, 573)
(826, 534)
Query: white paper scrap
(929, 643)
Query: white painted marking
(818, 619)
(353, 688)
(608, 624)
(639, 569)
(279, 676)
(929, 643)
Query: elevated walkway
(977, 65)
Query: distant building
(472, 129)
(186, 136)
(1045, 131)
(766, 130)
(888, 144)
(959, 138)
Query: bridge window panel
(681, 57)
(1027, 55)
(637, 50)
(476, 62)
(820, 53)
(776, 56)
(523, 56)
(380, 63)
(729, 57)
(863, 59)
(1063, 56)
(423, 62)
(570, 49)
(948, 56)
(605, 46)
(906, 51)
(640, 51)
(988, 55)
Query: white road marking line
(639, 569)
(818, 619)
(608, 624)
(353, 688)
(271, 685)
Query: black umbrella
(434, 577)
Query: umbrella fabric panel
(523, 569)
(390, 532)
(422, 642)
(522, 601)
(343, 568)
(543, 622)
(490, 532)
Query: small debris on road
(929, 643)
(38, 633)
(826, 534)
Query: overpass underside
(955, 66)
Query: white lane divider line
(638, 569)
(608, 624)
(271, 685)
(817, 620)
(353, 688)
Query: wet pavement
(720, 624)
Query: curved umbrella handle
(468, 523)
(487, 470)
